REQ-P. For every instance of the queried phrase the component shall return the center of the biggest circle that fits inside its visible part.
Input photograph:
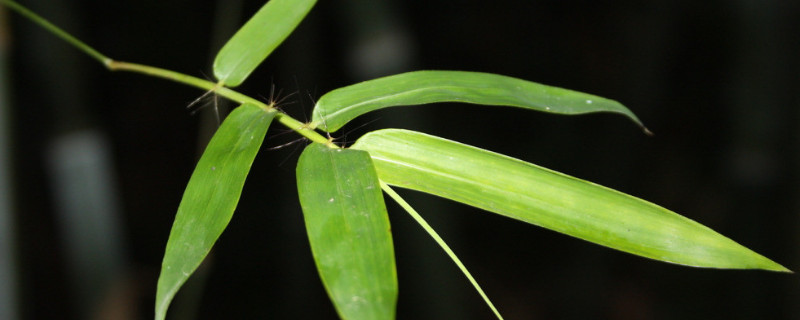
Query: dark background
(716, 81)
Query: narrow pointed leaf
(210, 198)
(552, 200)
(338, 107)
(348, 229)
(258, 38)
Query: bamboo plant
(341, 190)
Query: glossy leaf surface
(348, 229)
(552, 200)
(210, 197)
(338, 107)
(258, 38)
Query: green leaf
(338, 107)
(349, 231)
(552, 200)
(210, 198)
(258, 38)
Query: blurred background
(93, 163)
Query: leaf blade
(334, 109)
(348, 229)
(210, 198)
(258, 38)
(552, 200)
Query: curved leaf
(349, 231)
(338, 107)
(552, 200)
(210, 198)
(258, 38)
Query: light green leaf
(349, 231)
(258, 38)
(210, 197)
(338, 107)
(552, 200)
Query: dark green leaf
(336, 108)
(210, 198)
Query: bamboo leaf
(336, 108)
(348, 228)
(552, 200)
(258, 38)
(210, 198)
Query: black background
(716, 81)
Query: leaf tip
(646, 131)
(779, 268)
(768, 264)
